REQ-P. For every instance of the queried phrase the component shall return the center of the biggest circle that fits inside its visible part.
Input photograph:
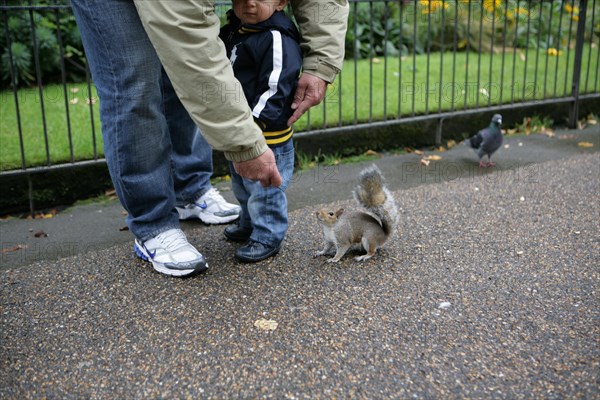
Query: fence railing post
(577, 64)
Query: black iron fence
(406, 61)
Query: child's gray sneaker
(171, 254)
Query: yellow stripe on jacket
(278, 137)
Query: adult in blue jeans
(159, 163)
(153, 155)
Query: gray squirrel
(370, 228)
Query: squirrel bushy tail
(372, 194)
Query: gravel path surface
(489, 289)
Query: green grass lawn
(35, 150)
(369, 91)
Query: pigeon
(487, 141)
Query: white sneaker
(211, 208)
(171, 254)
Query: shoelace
(172, 239)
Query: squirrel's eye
(330, 214)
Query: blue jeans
(155, 154)
(264, 209)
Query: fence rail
(406, 61)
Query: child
(262, 45)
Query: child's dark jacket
(267, 60)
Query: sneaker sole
(209, 219)
(158, 267)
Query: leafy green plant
(21, 57)
(467, 25)
(48, 27)
(374, 30)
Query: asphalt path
(489, 288)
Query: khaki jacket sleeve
(185, 36)
(323, 26)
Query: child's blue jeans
(264, 209)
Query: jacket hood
(278, 21)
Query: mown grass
(367, 90)
(372, 90)
(53, 148)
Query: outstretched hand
(310, 92)
(262, 168)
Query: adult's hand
(310, 92)
(262, 168)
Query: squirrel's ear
(339, 212)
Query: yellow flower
(571, 10)
(431, 6)
(553, 52)
(521, 11)
(491, 5)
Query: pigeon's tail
(475, 141)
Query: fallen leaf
(376, 60)
(441, 149)
(433, 157)
(40, 234)
(450, 144)
(511, 131)
(266, 324)
(74, 89)
(125, 228)
(14, 248)
(506, 146)
(371, 153)
(585, 144)
(424, 162)
(419, 152)
(74, 100)
(566, 137)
